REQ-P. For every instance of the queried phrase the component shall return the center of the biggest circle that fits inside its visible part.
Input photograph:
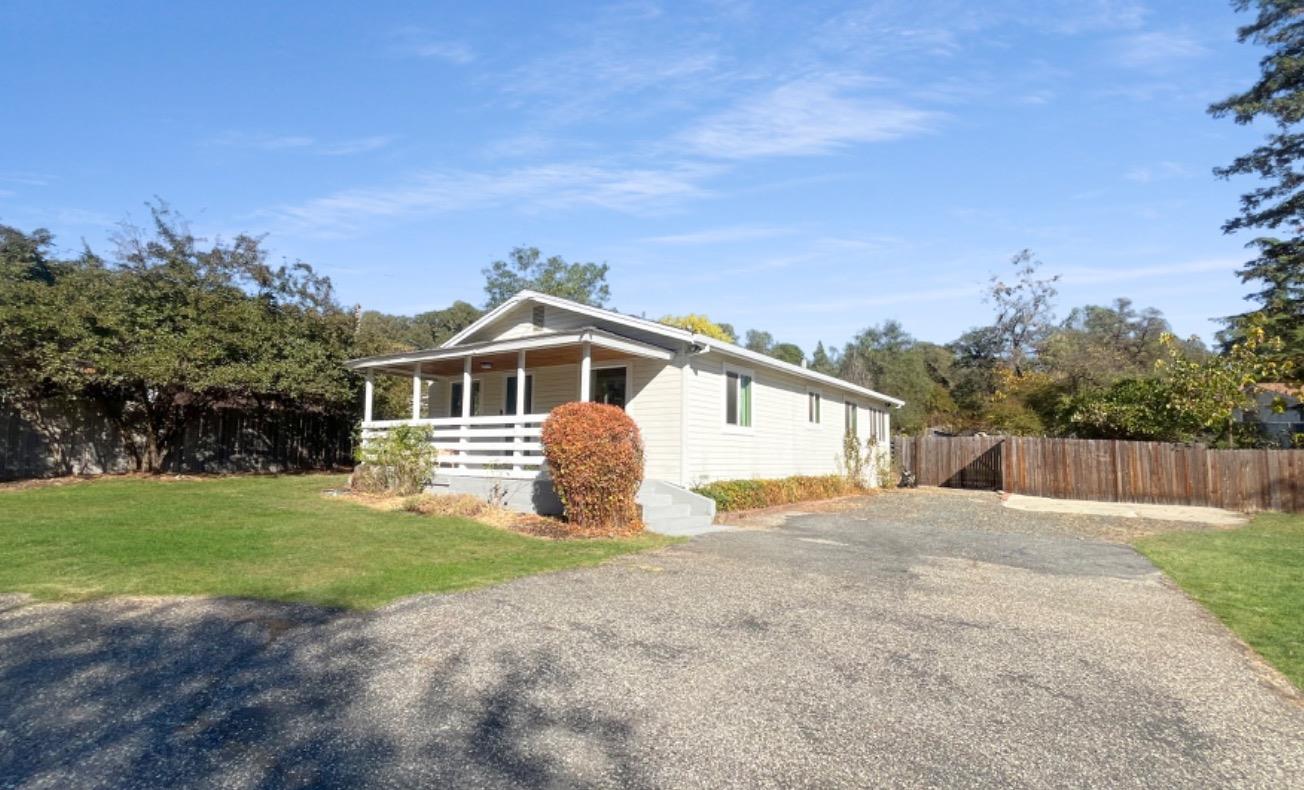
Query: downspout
(697, 346)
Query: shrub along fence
(220, 440)
(1111, 471)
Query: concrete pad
(1198, 515)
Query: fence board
(1112, 471)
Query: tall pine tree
(1278, 96)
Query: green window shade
(745, 401)
(738, 399)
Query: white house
(708, 410)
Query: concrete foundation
(525, 496)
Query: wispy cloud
(303, 143)
(721, 235)
(26, 179)
(536, 188)
(1145, 174)
(1157, 49)
(1088, 275)
(417, 42)
(804, 117)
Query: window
(455, 399)
(536, 316)
(509, 400)
(737, 399)
(849, 424)
(813, 407)
(608, 386)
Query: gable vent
(536, 317)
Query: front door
(609, 386)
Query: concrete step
(654, 500)
(662, 512)
(685, 526)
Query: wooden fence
(221, 440)
(1112, 471)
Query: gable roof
(701, 342)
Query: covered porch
(485, 402)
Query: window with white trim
(738, 398)
(455, 399)
(849, 418)
(813, 407)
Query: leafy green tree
(1277, 97)
(436, 326)
(788, 352)
(170, 327)
(758, 340)
(763, 342)
(527, 270)
(1210, 391)
(1136, 409)
(700, 324)
(888, 359)
(379, 333)
(1098, 345)
(821, 361)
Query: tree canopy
(527, 269)
(169, 324)
(1277, 97)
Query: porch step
(662, 512)
(686, 526)
(653, 500)
(673, 510)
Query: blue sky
(805, 168)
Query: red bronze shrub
(595, 455)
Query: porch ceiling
(565, 355)
(541, 350)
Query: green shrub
(753, 494)
(595, 457)
(400, 462)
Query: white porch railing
(502, 446)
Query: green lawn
(257, 537)
(1252, 578)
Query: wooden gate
(952, 462)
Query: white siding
(781, 441)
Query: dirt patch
(475, 509)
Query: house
(708, 410)
(1279, 413)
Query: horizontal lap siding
(654, 403)
(781, 442)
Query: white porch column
(586, 370)
(466, 387)
(369, 396)
(520, 402)
(465, 430)
(416, 393)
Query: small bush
(400, 462)
(753, 494)
(459, 505)
(595, 456)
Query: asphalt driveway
(916, 639)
